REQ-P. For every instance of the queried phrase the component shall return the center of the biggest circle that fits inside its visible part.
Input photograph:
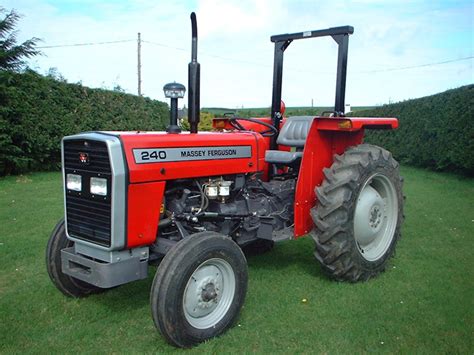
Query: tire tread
(332, 215)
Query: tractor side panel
(144, 202)
(193, 155)
(320, 148)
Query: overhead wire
(416, 66)
(86, 44)
(356, 72)
(164, 45)
(207, 54)
(250, 62)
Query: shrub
(36, 112)
(435, 132)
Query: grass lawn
(424, 302)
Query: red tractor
(192, 202)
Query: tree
(118, 88)
(54, 73)
(205, 123)
(12, 55)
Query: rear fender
(326, 138)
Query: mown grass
(423, 303)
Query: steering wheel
(270, 132)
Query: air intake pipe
(194, 81)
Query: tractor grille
(88, 216)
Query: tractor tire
(359, 214)
(68, 285)
(199, 289)
(258, 247)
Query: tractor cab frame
(283, 41)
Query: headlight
(99, 186)
(74, 182)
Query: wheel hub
(369, 216)
(375, 217)
(209, 293)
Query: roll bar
(341, 36)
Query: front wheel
(199, 289)
(359, 214)
(68, 285)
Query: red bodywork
(327, 137)
(147, 181)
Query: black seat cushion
(282, 158)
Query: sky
(236, 55)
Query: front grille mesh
(88, 216)
(98, 155)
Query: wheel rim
(209, 293)
(375, 217)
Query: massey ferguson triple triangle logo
(84, 158)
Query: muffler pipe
(194, 81)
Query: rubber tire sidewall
(169, 284)
(68, 285)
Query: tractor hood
(155, 156)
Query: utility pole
(139, 64)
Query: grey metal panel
(295, 130)
(100, 274)
(281, 157)
(111, 256)
(119, 185)
(162, 155)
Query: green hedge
(37, 111)
(435, 132)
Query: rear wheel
(66, 284)
(359, 214)
(199, 289)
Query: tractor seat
(293, 134)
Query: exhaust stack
(194, 82)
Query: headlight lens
(99, 186)
(74, 182)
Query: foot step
(283, 234)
